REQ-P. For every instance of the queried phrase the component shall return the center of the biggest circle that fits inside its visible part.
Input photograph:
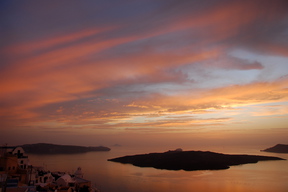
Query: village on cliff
(18, 175)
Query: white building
(78, 173)
(65, 181)
(22, 158)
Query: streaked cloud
(170, 65)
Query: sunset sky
(147, 72)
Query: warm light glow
(213, 70)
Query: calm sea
(269, 176)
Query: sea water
(265, 176)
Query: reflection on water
(269, 176)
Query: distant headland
(190, 160)
(48, 148)
(279, 148)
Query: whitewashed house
(78, 173)
(65, 181)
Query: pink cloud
(113, 73)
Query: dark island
(47, 148)
(279, 148)
(190, 160)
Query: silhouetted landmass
(46, 148)
(190, 160)
(279, 148)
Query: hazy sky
(169, 72)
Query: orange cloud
(134, 75)
(54, 42)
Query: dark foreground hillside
(190, 160)
(46, 148)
